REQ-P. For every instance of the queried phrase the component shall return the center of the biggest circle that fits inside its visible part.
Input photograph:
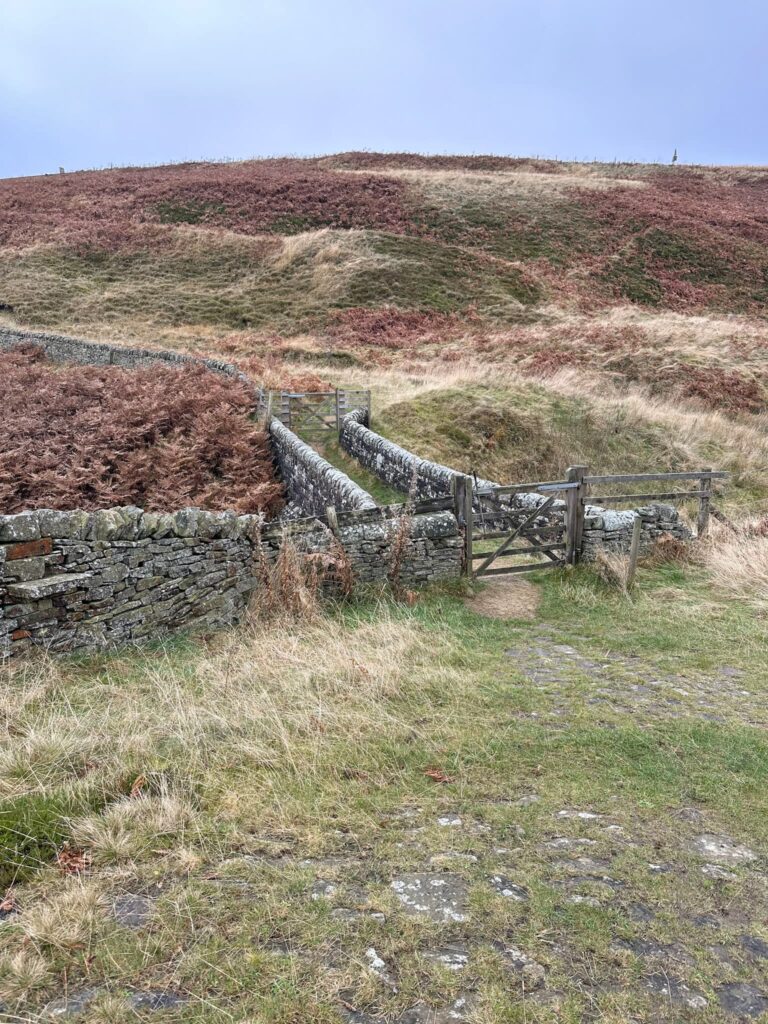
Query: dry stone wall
(311, 482)
(419, 478)
(74, 580)
(77, 580)
(60, 348)
(605, 529)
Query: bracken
(85, 437)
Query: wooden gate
(313, 413)
(499, 531)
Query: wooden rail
(608, 499)
(630, 478)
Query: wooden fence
(552, 529)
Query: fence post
(702, 520)
(574, 513)
(462, 507)
(634, 551)
(338, 421)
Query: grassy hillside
(218, 830)
(641, 274)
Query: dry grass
(277, 695)
(327, 260)
(451, 186)
(131, 828)
(21, 973)
(66, 917)
(294, 756)
(690, 436)
(738, 561)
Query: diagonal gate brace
(503, 547)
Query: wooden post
(462, 507)
(634, 551)
(338, 419)
(574, 513)
(702, 521)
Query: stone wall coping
(129, 523)
(333, 481)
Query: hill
(647, 273)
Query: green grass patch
(524, 432)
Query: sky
(96, 83)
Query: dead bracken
(160, 438)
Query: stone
(674, 990)
(72, 1004)
(132, 910)
(459, 1010)
(37, 590)
(379, 967)
(452, 958)
(154, 1000)
(23, 526)
(754, 945)
(509, 889)
(581, 815)
(105, 524)
(742, 999)
(639, 912)
(185, 522)
(532, 973)
(718, 873)
(439, 897)
(63, 525)
(722, 848)
(23, 569)
(649, 948)
(588, 901)
(565, 842)
(449, 820)
(725, 956)
(321, 889)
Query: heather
(162, 438)
(587, 235)
(135, 207)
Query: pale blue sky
(87, 83)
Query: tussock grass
(21, 973)
(66, 918)
(738, 562)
